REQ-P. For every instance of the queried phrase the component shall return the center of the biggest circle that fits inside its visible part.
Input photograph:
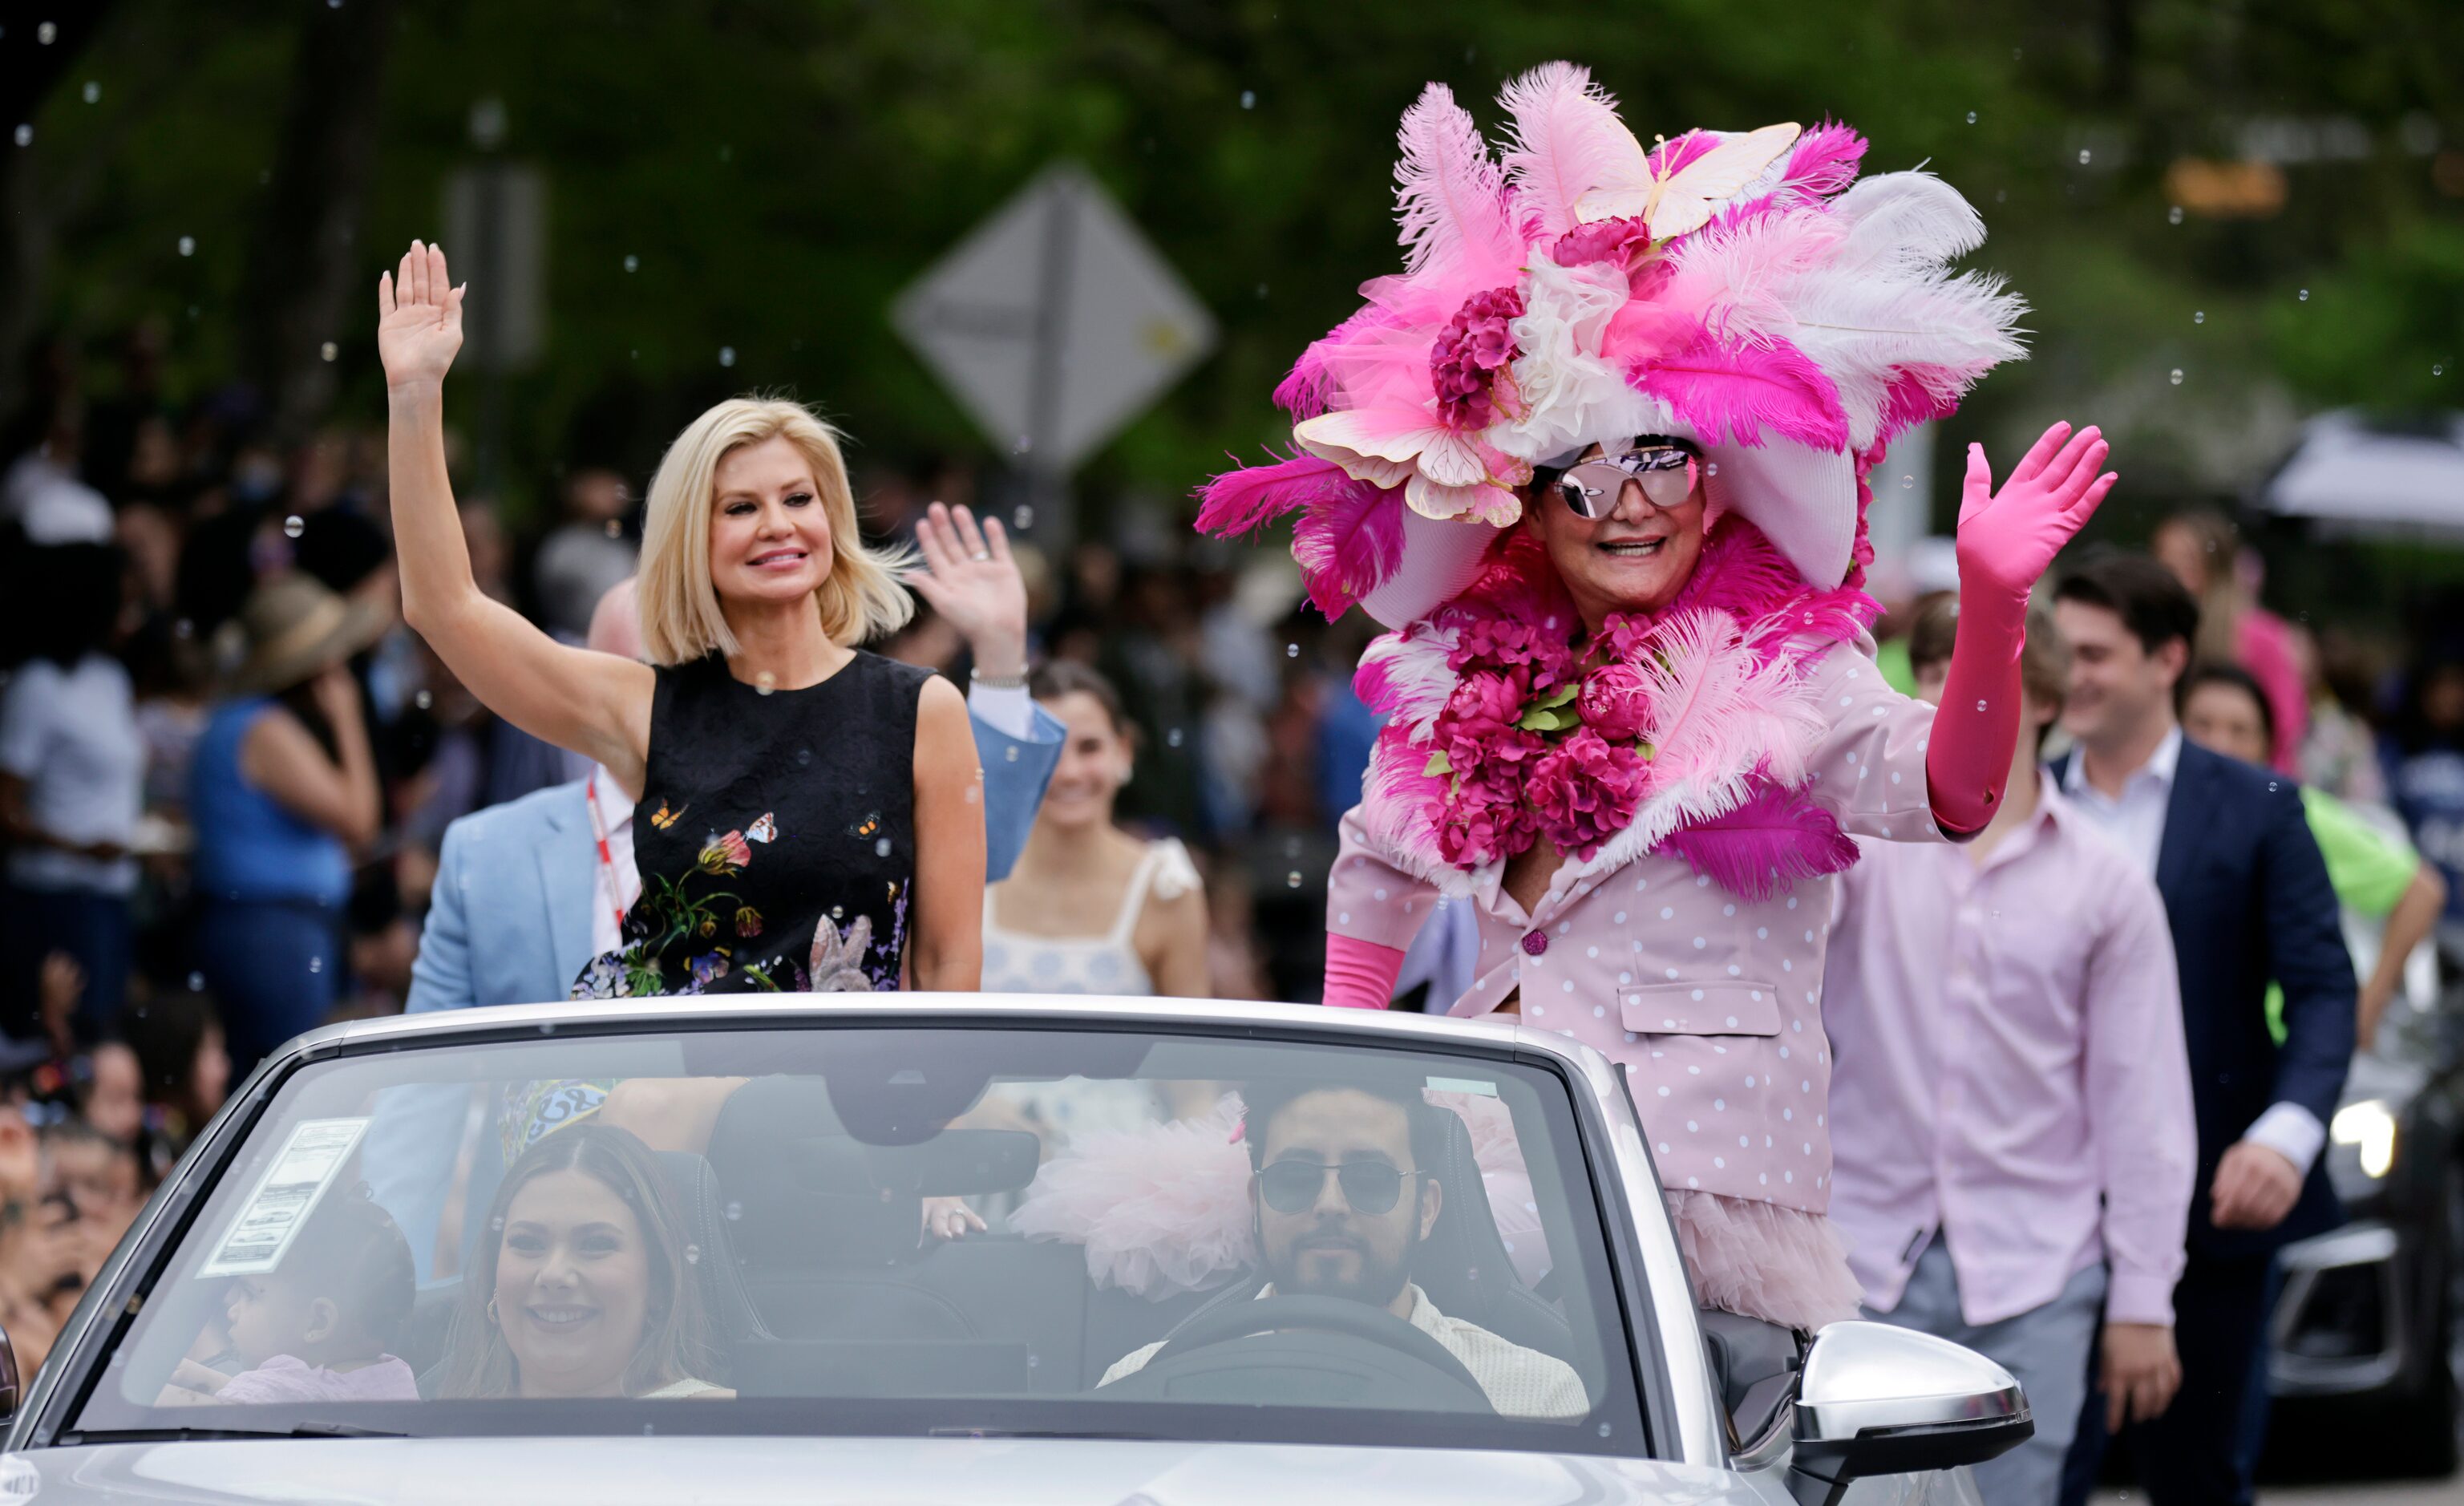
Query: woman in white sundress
(1089, 908)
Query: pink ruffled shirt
(1712, 1001)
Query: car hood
(837, 1471)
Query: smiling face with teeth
(573, 1286)
(769, 533)
(1634, 558)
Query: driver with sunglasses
(1341, 1205)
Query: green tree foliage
(766, 176)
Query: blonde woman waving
(807, 817)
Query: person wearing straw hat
(282, 788)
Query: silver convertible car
(952, 1249)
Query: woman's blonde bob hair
(681, 621)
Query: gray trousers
(2046, 1347)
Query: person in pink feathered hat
(1598, 455)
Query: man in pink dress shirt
(2013, 1138)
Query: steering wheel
(1432, 1372)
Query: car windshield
(852, 1229)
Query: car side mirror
(1878, 1400)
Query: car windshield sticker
(290, 1188)
(1477, 1089)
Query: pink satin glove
(2006, 540)
(1360, 975)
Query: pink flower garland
(1524, 756)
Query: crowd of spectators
(184, 887)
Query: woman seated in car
(585, 1289)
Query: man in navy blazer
(2247, 899)
(516, 911)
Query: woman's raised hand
(419, 319)
(2007, 539)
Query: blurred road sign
(1054, 322)
(495, 230)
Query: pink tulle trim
(1165, 1209)
(1161, 1211)
(1778, 1264)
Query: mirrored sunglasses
(1666, 473)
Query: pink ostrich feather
(1823, 162)
(1348, 542)
(1566, 136)
(1161, 1210)
(1719, 714)
(1772, 839)
(1739, 390)
(1244, 500)
(1450, 197)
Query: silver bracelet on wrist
(1017, 681)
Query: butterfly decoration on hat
(1744, 292)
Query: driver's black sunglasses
(1370, 1187)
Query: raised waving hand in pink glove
(2007, 539)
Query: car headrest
(1463, 1266)
(704, 1212)
(811, 1196)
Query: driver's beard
(1379, 1283)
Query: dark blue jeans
(94, 928)
(273, 965)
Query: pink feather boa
(1693, 716)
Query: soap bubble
(881, 847)
(93, 92)
(188, 245)
(45, 32)
(1248, 99)
(329, 350)
(1292, 879)
(1172, 738)
(1971, 117)
(1291, 650)
(727, 355)
(632, 263)
(25, 136)
(2199, 316)
(2173, 215)
(2083, 156)
(1022, 518)
(764, 683)
(294, 527)
(424, 700)
(2305, 294)
(2176, 376)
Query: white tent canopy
(2354, 475)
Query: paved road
(2448, 1491)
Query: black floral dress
(775, 838)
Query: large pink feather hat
(1745, 291)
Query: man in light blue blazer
(522, 902)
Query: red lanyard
(607, 856)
